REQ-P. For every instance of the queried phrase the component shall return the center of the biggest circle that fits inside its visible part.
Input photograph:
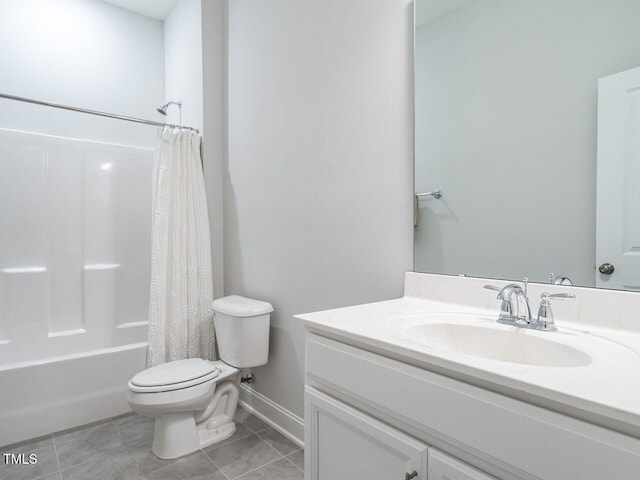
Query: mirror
(506, 114)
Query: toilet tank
(242, 330)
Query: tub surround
(600, 395)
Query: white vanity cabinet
(443, 467)
(343, 443)
(371, 415)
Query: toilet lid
(176, 372)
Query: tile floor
(119, 448)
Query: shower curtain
(180, 323)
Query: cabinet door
(443, 467)
(342, 443)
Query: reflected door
(618, 182)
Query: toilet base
(180, 433)
(175, 435)
(209, 436)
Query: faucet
(515, 310)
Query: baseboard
(274, 414)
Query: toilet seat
(174, 375)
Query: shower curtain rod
(94, 112)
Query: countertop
(606, 391)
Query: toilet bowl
(194, 401)
(192, 413)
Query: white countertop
(605, 392)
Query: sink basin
(482, 337)
(513, 346)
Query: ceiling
(426, 10)
(157, 9)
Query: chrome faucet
(515, 310)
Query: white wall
(183, 62)
(318, 194)
(506, 94)
(195, 57)
(83, 53)
(214, 71)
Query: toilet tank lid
(238, 306)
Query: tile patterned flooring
(119, 448)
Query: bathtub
(74, 280)
(52, 394)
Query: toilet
(194, 401)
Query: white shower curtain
(180, 324)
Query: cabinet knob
(606, 269)
(409, 476)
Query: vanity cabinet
(443, 467)
(343, 443)
(371, 416)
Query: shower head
(163, 108)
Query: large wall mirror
(507, 126)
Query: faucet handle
(545, 313)
(492, 287)
(559, 296)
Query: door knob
(606, 269)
